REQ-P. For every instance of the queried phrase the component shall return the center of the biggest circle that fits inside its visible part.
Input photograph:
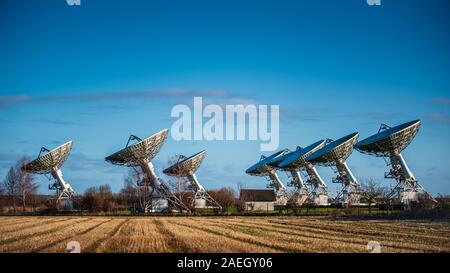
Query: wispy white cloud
(83, 162)
(315, 114)
(8, 159)
(6, 101)
(11, 100)
(439, 118)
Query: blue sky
(97, 72)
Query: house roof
(257, 195)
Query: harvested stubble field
(220, 234)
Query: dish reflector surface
(186, 166)
(50, 161)
(144, 150)
(262, 168)
(296, 159)
(336, 151)
(390, 141)
(277, 160)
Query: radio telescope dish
(140, 155)
(336, 151)
(53, 159)
(334, 154)
(296, 161)
(144, 150)
(390, 142)
(301, 193)
(263, 168)
(186, 167)
(50, 163)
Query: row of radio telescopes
(388, 142)
(138, 154)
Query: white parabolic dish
(142, 151)
(390, 141)
(186, 166)
(296, 160)
(336, 151)
(50, 161)
(262, 168)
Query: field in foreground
(220, 234)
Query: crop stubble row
(213, 234)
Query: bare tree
(226, 197)
(91, 200)
(371, 191)
(2, 189)
(443, 201)
(139, 191)
(107, 197)
(180, 186)
(129, 193)
(19, 184)
(10, 184)
(239, 186)
(241, 204)
(293, 198)
(26, 185)
(99, 198)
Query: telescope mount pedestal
(154, 184)
(407, 190)
(64, 192)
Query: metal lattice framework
(140, 155)
(390, 142)
(334, 154)
(296, 161)
(50, 163)
(302, 191)
(186, 167)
